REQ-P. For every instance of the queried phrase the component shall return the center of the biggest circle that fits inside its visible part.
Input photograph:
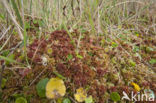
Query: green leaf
(89, 99)
(83, 30)
(69, 57)
(5, 53)
(41, 23)
(90, 53)
(35, 21)
(40, 87)
(15, 95)
(79, 56)
(3, 82)
(102, 41)
(122, 37)
(114, 45)
(137, 35)
(136, 49)
(132, 63)
(10, 60)
(149, 49)
(115, 96)
(108, 40)
(152, 61)
(59, 75)
(59, 100)
(2, 16)
(114, 60)
(66, 100)
(12, 56)
(21, 100)
(27, 25)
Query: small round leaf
(3, 82)
(115, 96)
(89, 99)
(66, 100)
(40, 87)
(21, 100)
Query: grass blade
(17, 12)
(59, 75)
(8, 59)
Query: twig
(15, 68)
(78, 43)
(5, 43)
(129, 1)
(73, 100)
(37, 77)
(147, 29)
(5, 33)
(13, 49)
(36, 52)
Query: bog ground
(72, 51)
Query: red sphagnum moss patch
(101, 70)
